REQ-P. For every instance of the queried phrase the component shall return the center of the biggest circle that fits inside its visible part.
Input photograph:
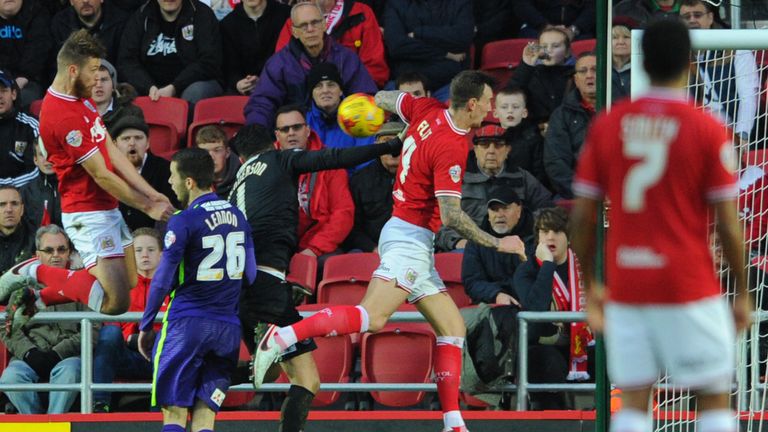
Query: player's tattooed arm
(387, 99)
(454, 217)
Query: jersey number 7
(645, 173)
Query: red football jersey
(432, 161)
(661, 163)
(72, 131)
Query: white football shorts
(97, 234)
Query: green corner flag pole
(602, 385)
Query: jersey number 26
(233, 246)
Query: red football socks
(65, 286)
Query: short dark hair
(195, 163)
(667, 47)
(79, 47)
(291, 108)
(409, 77)
(514, 90)
(551, 218)
(251, 139)
(468, 84)
(210, 134)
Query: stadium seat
(225, 111)
(499, 59)
(448, 266)
(238, 398)
(165, 110)
(345, 278)
(163, 139)
(582, 46)
(397, 356)
(34, 107)
(333, 357)
(303, 270)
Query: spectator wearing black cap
(371, 189)
(18, 133)
(172, 48)
(568, 126)
(487, 275)
(488, 166)
(327, 89)
(131, 135)
(113, 100)
(25, 46)
(102, 19)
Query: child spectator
(527, 144)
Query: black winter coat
(545, 86)
(562, 146)
(17, 246)
(527, 149)
(109, 30)
(371, 189)
(25, 42)
(197, 40)
(40, 194)
(538, 13)
(439, 27)
(156, 172)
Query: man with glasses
(488, 166)
(15, 229)
(568, 126)
(283, 79)
(46, 352)
(326, 210)
(266, 190)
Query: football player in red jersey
(93, 175)
(664, 165)
(427, 192)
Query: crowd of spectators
(296, 64)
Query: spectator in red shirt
(116, 353)
(326, 210)
(353, 25)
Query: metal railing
(86, 385)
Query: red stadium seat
(397, 356)
(499, 59)
(582, 46)
(346, 277)
(238, 398)
(448, 266)
(303, 270)
(165, 110)
(333, 357)
(34, 107)
(163, 139)
(224, 111)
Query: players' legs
(114, 276)
(715, 414)
(305, 382)
(203, 417)
(633, 415)
(444, 317)
(174, 418)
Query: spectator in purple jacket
(283, 79)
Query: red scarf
(564, 296)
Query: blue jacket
(327, 128)
(283, 80)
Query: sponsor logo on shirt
(19, 147)
(74, 138)
(455, 173)
(188, 32)
(162, 45)
(11, 32)
(98, 131)
(170, 239)
(639, 257)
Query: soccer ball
(359, 116)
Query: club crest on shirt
(89, 105)
(19, 148)
(107, 243)
(98, 131)
(410, 276)
(218, 397)
(188, 32)
(455, 173)
(74, 138)
(170, 239)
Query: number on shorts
(409, 146)
(235, 257)
(644, 174)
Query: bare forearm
(454, 217)
(119, 189)
(387, 99)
